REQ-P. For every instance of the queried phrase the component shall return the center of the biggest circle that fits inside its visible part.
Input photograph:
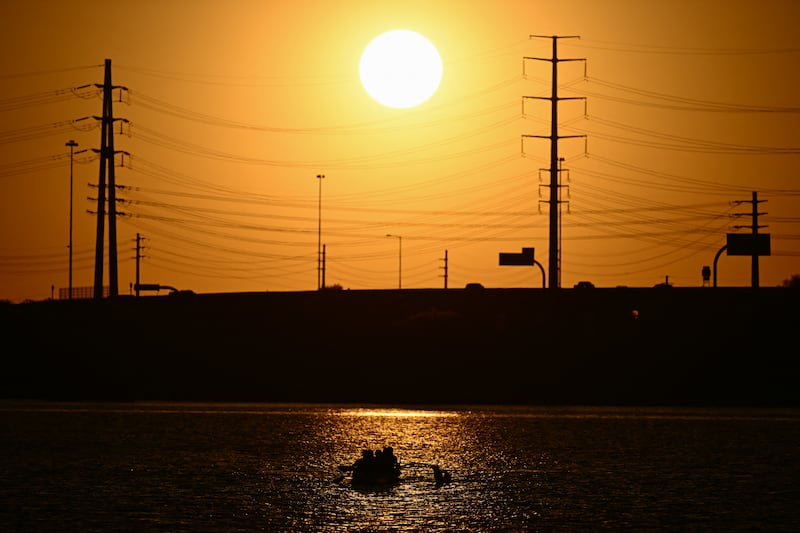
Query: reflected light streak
(395, 413)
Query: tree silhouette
(793, 282)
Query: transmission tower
(554, 272)
(106, 182)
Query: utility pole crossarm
(553, 60)
(553, 99)
(522, 141)
(558, 98)
(558, 60)
(534, 36)
(560, 136)
(750, 226)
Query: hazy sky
(233, 108)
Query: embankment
(660, 346)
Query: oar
(417, 465)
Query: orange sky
(234, 107)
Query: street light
(399, 260)
(72, 144)
(320, 177)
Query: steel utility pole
(554, 252)
(72, 144)
(323, 266)
(320, 282)
(139, 257)
(399, 259)
(445, 269)
(754, 227)
(754, 273)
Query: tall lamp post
(72, 144)
(320, 177)
(399, 260)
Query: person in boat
(440, 476)
(363, 466)
(388, 459)
(375, 468)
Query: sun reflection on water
(395, 413)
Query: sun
(400, 68)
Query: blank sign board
(748, 244)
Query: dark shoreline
(624, 346)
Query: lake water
(266, 467)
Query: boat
(378, 469)
(381, 469)
(378, 477)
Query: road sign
(522, 259)
(748, 244)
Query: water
(265, 467)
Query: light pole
(320, 177)
(399, 260)
(560, 162)
(72, 144)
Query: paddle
(349, 468)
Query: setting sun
(400, 68)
